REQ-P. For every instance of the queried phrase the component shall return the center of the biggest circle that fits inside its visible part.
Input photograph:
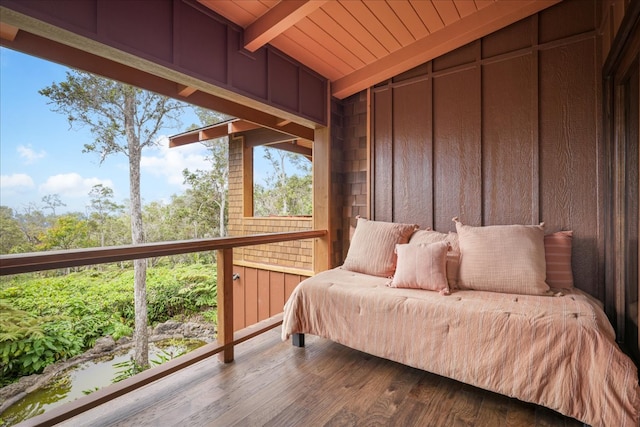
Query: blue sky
(40, 155)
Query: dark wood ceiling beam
(278, 19)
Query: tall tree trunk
(141, 335)
(223, 202)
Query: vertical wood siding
(504, 130)
(259, 294)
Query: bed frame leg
(297, 340)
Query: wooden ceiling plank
(368, 20)
(428, 14)
(344, 37)
(277, 20)
(330, 42)
(315, 49)
(465, 7)
(233, 11)
(305, 57)
(447, 11)
(8, 32)
(359, 32)
(473, 27)
(385, 14)
(410, 18)
(480, 4)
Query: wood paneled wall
(259, 294)
(505, 130)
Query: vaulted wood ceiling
(358, 43)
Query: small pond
(85, 377)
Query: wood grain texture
(272, 383)
(515, 127)
(457, 151)
(509, 173)
(569, 153)
(412, 151)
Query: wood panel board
(509, 172)
(569, 153)
(412, 154)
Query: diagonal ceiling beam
(277, 20)
(487, 20)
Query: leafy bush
(29, 343)
(50, 317)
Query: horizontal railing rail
(226, 338)
(41, 261)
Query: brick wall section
(355, 164)
(297, 254)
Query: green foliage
(46, 319)
(68, 231)
(29, 343)
(284, 194)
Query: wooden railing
(226, 339)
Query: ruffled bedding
(558, 352)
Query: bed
(558, 351)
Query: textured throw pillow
(372, 249)
(502, 258)
(453, 255)
(422, 266)
(557, 251)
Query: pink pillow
(557, 251)
(372, 249)
(453, 256)
(422, 266)
(502, 258)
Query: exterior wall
(503, 130)
(297, 255)
(267, 273)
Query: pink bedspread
(558, 352)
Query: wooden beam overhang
(34, 37)
(253, 134)
(278, 19)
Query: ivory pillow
(502, 258)
(422, 266)
(557, 251)
(372, 249)
(453, 255)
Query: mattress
(555, 351)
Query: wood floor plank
(272, 383)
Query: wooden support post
(225, 304)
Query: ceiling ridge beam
(276, 20)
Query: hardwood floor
(272, 383)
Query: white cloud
(29, 154)
(170, 162)
(71, 185)
(17, 181)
